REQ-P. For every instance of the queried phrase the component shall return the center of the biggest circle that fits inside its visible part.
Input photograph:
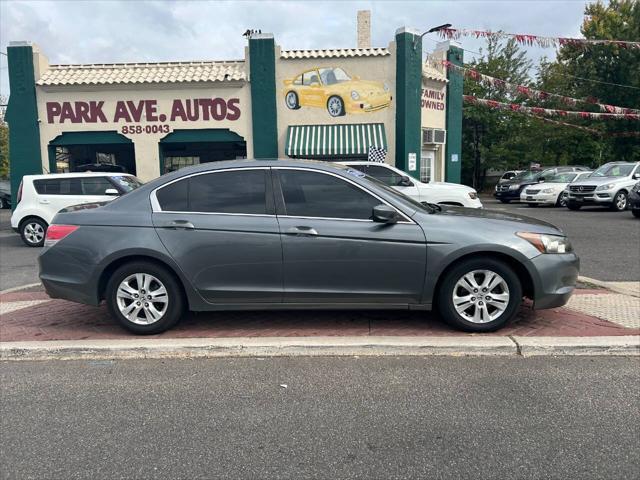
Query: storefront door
(427, 165)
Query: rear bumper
(557, 277)
(68, 279)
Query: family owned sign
(136, 111)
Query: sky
(148, 31)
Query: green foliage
(4, 150)
(505, 140)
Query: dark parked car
(634, 200)
(286, 234)
(511, 189)
(5, 194)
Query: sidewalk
(30, 316)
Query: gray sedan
(284, 234)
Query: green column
(262, 78)
(453, 149)
(408, 85)
(22, 117)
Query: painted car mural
(337, 91)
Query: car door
(54, 194)
(220, 228)
(334, 253)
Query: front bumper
(369, 104)
(557, 275)
(593, 198)
(508, 195)
(541, 198)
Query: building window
(427, 161)
(171, 164)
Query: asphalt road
(370, 418)
(608, 243)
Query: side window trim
(381, 200)
(156, 208)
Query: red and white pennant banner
(525, 39)
(547, 112)
(532, 92)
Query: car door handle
(44, 201)
(302, 231)
(180, 224)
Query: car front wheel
(292, 101)
(144, 297)
(479, 295)
(562, 200)
(619, 202)
(33, 232)
(573, 206)
(335, 106)
(636, 212)
(503, 200)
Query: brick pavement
(62, 320)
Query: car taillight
(19, 196)
(55, 233)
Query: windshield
(126, 183)
(331, 76)
(562, 178)
(528, 175)
(620, 170)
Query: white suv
(40, 197)
(432, 192)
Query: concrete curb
(629, 290)
(318, 346)
(20, 287)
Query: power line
(600, 81)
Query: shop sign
(133, 112)
(432, 99)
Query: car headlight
(514, 187)
(473, 195)
(547, 190)
(355, 95)
(547, 243)
(386, 86)
(608, 186)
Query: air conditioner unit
(433, 136)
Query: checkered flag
(376, 154)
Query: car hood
(450, 185)
(600, 180)
(362, 86)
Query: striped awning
(334, 140)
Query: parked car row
(609, 186)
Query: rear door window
(384, 174)
(95, 185)
(58, 186)
(174, 197)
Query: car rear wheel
(335, 106)
(144, 297)
(619, 202)
(479, 295)
(532, 204)
(4, 203)
(33, 232)
(503, 200)
(291, 99)
(573, 206)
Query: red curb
(62, 320)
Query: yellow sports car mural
(332, 88)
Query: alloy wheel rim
(142, 299)
(291, 100)
(481, 296)
(621, 202)
(335, 106)
(33, 232)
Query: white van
(40, 197)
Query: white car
(40, 197)
(433, 192)
(552, 191)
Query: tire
(33, 231)
(452, 284)
(636, 212)
(133, 276)
(503, 200)
(620, 202)
(4, 204)
(532, 205)
(335, 106)
(291, 100)
(573, 206)
(561, 201)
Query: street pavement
(608, 243)
(17, 261)
(368, 417)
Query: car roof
(76, 174)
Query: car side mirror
(112, 192)
(405, 181)
(541, 180)
(384, 214)
(636, 176)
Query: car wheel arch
(526, 276)
(26, 218)
(116, 263)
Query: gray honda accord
(283, 234)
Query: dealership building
(327, 104)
